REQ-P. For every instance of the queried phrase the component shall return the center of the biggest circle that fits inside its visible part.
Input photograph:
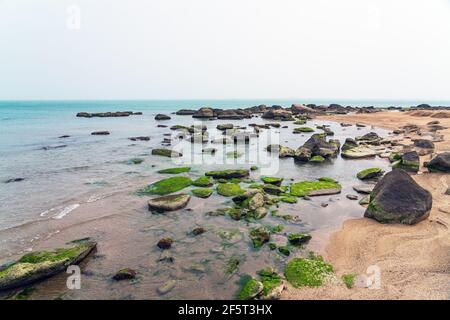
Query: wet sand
(414, 260)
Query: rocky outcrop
(204, 113)
(349, 143)
(317, 145)
(169, 203)
(162, 117)
(278, 114)
(370, 138)
(185, 112)
(397, 198)
(107, 114)
(409, 161)
(283, 152)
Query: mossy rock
(39, 265)
(272, 180)
(303, 130)
(370, 173)
(135, 161)
(298, 239)
(166, 186)
(228, 174)
(259, 236)
(308, 272)
(251, 288)
(175, 170)
(288, 199)
(166, 153)
(358, 153)
(315, 188)
(229, 189)
(284, 250)
(203, 182)
(271, 281)
(253, 168)
(272, 189)
(202, 192)
(317, 159)
(300, 122)
(179, 127)
(125, 274)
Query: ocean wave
(66, 211)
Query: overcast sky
(180, 49)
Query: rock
(167, 287)
(250, 289)
(409, 161)
(317, 145)
(229, 189)
(324, 204)
(317, 159)
(162, 117)
(365, 200)
(272, 180)
(283, 152)
(272, 189)
(202, 192)
(177, 170)
(204, 113)
(124, 274)
(166, 186)
(257, 201)
(36, 266)
(349, 143)
(64, 136)
(230, 115)
(225, 140)
(228, 174)
(447, 192)
(315, 188)
(397, 198)
(440, 163)
(139, 138)
(424, 143)
(100, 133)
(352, 197)
(166, 153)
(185, 112)
(259, 236)
(364, 188)
(198, 231)
(165, 243)
(298, 239)
(371, 138)
(203, 182)
(358, 153)
(278, 114)
(303, 130)
(370, 173)
(302, 154)
(302, 109)
(227, 126)
(308, 272)
(209, 151)
(107, 114)
(168, 203)
(360, 125)
(14, 180)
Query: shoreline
(414, 260)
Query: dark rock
(198, 231)
(349, 143)
(162, 117)
(352, 197)
(185, 112)
(124, 274)
(441, 163)
(424, 143)
(14, 180)
(204, 113)
(165, 243)
(397, 198)
(64, 136)
(139, 138)
(100, 133)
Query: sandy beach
(414, 260)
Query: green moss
(135, 161)
(232, 264)
(61, 254)
(327, 179)
(228, 174)
(299, 238)
(276, 229)
(317, 159)
(284, 250)
(303, 129)
(229, 189)
(288, 199)
(272, 246)
(349, 280)
(304, 188)
(166, 186)
(369, 173)
(270, 280)
(203, 182)
(259, 236)
(300, 122)
(202, 192)
(308, 272)
(175, 170)
(272, 180)
(235, 213)
(250, 288)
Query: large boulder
(278, 114)
(36, 266)
(169, 203)
(349, 143)
(409, 161)
(397, 198)
(230, 115)
(283, 152)
(301, 109)
(204, 113)
(371, 138)
(317, 145)
(440, 163)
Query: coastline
(414, 260)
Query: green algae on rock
(317, 159)
(370, 173)
(229, 189)
(308, 272)
(36, 266)
(250, 288)
(314, 188)
(288, 199)
(303, 130)
(203, 182)
(202, 192)
(166, 153)
(272, 180)
(175, 170)
(228, 174)
(259, 236)
(299, 238)
(166, 186)
(272, 283)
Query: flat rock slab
(358, 153)
(364, 188)
(169, 203)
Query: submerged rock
(397, 198)
(39, 265)
(440, 163)
(370, 173)
(139, 138)
(166, 153)
(14, 180)
(299, 238)
(202, 192)
(165, 243)
(228, 174)
(169, 203)
(166, 287)
(259, 236)
(166, 186)
(315, 188)
(124, 274)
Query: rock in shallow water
(397, 198)
(169, 203)
(125, 274)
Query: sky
(178, 49)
